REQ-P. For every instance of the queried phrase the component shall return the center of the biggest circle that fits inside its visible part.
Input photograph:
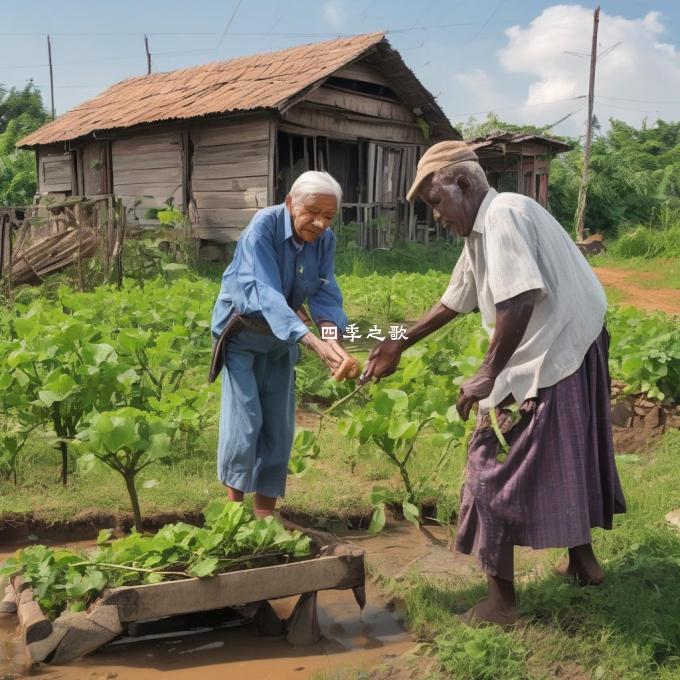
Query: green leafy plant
(127, 440)
(481, 654)
(231, 539)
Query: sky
(524, 60)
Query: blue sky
(500, 55)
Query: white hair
(315, 182)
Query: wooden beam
(252, 585)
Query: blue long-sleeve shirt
(271, 275)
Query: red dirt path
(627, 282)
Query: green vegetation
(108, 374)
(635, 172)
(623, 629)
(231, 539)
(21, 112)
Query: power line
(229, 23)
(484, 24)
(639, 101)
(524, 106)
(295, 34)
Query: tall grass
(440, 256)
(661, 238)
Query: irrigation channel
(351, 639)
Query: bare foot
(579, 573)
(491, 612)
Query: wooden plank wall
(54, 169)
(364, 104)
(230, 175)
(310, 118)
(148, 168)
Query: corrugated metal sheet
(262, 81)
(500, 136)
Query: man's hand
(474, 389)
(382, 361)
(349, 367)
(333, 355)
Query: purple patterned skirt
(559, 479)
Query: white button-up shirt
(516, 245)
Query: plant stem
(64, 462)
(134, 500)
(341, 401)
(140, 570)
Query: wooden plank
(147, 201)
(146, 143)
(339, 124)
(166, 158)
(225, 217)
(94, 168)
(231, 153)
(232, 170)
(362, 72)
(231, 199)
(271, 174)
(219, 234)
(145, 176)
(361, 103)
(161, 191)
(227, 132)
(252, 585)
(256, 183)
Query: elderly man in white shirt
(544, 310)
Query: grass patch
(657, 272)
(627, 628)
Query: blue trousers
(257, 416)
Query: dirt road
(629, 282)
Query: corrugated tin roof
(499, 136)
(262, 81)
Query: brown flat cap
(440, 156)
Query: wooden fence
(81, 235)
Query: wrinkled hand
(474, 389)
(382, 361)
(349, 367)
(330, 353)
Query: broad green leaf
(402, 429)
(411, 512)
(206, 567)
(58, 388)
(377, 519)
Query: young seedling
(127, 440)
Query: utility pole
(49, 57)
(583, 189)
(148, 55)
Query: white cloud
(640, 68)
(334, 13)
(483, 89)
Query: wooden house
(225, 139)
(519, 162)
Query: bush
(660, 239)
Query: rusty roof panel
(242, 84)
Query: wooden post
(49, 57)
(583, 189)
(148, 55)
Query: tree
(21, 112)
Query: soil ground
(634, 288)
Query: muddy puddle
(352, 640)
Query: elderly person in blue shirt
(284, 258)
